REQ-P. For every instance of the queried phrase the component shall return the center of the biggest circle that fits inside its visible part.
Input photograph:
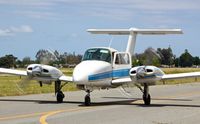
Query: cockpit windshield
(97, 54)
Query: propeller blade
(127, 89)
(23, 84)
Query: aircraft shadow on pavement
(172, 99)
(122, 101)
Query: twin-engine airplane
(103, 67)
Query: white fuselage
(91, 73)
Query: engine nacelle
(146, 74)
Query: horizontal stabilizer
(136, 31)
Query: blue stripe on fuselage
(110, 74)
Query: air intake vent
(149, 70)
(133, 72)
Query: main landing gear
(59, 94)
(87, 98)
(146, 96)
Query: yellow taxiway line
(21, 116)
(44, 117)
(43, 114)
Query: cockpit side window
(122, 58)
(98, 54)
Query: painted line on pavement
(44, 117)
(21, 116)
(4, 118)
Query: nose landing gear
(87, 98)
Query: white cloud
(23, 28)
(14, 30)
(38, 14)
(160, 10)
(27, 2)
(136, 4)
(129, 4)
(111, 9)
(5, 32)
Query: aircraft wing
(13, 72)
(121, 81)
(66, 78)
(180, 75)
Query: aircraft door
(121, 65)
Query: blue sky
(29, 25)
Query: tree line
(162, 57)
(53, 58)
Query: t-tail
(132, 32)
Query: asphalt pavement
(171, 104)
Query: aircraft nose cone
(85, 69)
(80, 75)
(79, 79)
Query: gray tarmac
(171, 104)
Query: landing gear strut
(146, 95)
(87, 98)
(58, 92)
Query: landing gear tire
(60, 97)
(147, 99)
(87, 100)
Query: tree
(26, 61)
(186, 59)
(196, 60)
(167, 57)
(45, 57)
(55, 58)
(149, 57)
(176, 62)
(8, 61)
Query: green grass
(179, 70)
(9, 87)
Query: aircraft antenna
(110, 41)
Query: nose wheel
(87, 99)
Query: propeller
(25, 82)
(22, 85)
(128, 88)
(35, 70)
(141, 71)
